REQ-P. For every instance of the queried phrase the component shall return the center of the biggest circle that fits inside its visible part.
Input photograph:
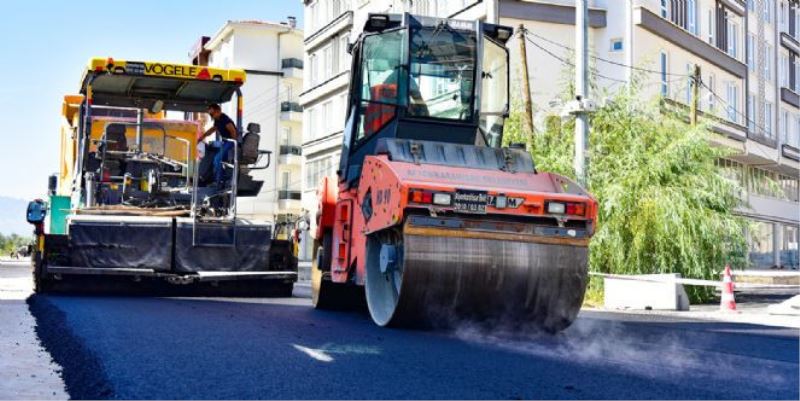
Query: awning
(140, 84)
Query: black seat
(114, 138)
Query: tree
(664, 205)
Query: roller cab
(432, 216)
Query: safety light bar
(566, 208)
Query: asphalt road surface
(221, 348)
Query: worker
(226, 129)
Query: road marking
(314, 353)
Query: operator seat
(114, 139)
(379, 112)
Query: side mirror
(254, 128)
(156, 107)
(37, 211)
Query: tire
(41, 285)
(325, 294)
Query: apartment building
(272, 55)
(747, 53)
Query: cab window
(381, 81)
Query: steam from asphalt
(647, 350)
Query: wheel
(384, 270)
(285, 290)
(41, 284)
(424, 281)
(326, 294)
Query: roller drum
(443, 280)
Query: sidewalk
(26, 369)
(752, 307)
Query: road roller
(430, 219)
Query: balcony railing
(292, 63)
(291, 106)
(287, 194)
(291, 150)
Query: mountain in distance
(12, 217)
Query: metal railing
(291, 106)
(288, 194)
(292, 63)
(291, 150)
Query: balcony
(682, 38)
(290, 155)
(790, 42)
(289, 201)
(790, 96)
(291, 111)
(292, 68)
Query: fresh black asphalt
(229, 348)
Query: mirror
(157, 106)
(37, 210)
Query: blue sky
(46, 45)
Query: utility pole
(581, 88)
(695, 94)
(526, 86)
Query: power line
(567, 62)
(617, 63)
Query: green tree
(10, 243)
(664, 205)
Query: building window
(664, 72)
(691, 16)
(312, 16)
(313, 69)
(768, 119)
(751, 112)
(664, 9)
(286, 180)
(327, 55)
(797, 76)
(783, 17)
(312, 124)
(286, 136)
(768, 62)
(616, 45)
(783, 121)
(783, 70)
(733, 101)
(711, 27)
(344, 56)
(731, 170)
(789, 188)
(733, 39)
(327, 116)
(712, 89)
(789, 251)
(761, 245)
(768, 10)
(750, 59)
(764, 183)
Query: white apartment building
(272, 55)
(747, 53)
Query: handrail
(292, 63)
(291, 106)
(291, 150)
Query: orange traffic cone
(727, 302)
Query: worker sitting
(225, 129)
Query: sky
(46, 45)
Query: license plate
(470, 201)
